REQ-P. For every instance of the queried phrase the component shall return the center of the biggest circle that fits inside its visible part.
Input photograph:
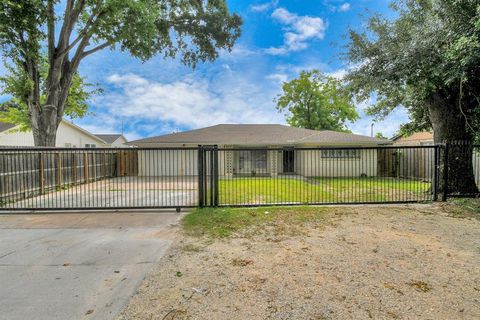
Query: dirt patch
(391, 262)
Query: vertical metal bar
(200, 176)
(41, 173)
(215, 174)
(211, 180)
(435, 173)
(445, 172)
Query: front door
(288, 161)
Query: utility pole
(371, 129)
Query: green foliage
(432, 47)
(31, 30)
(314, 101)
(17, 85)
(195, 30)
(380, 135)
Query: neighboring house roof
(84, 131)
(109, 138)
(417, 136)
(261, 134)
(6, 126)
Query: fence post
(41, 173)
(435, 172)
(211, 168)
(200, 171)
(74, 168)
(445, 172)
(215, 176)
(94, 166)
(85, 166)
(59, 170)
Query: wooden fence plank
(41, 177)
(85, 166)
(58, 170)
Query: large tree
(195, 30)
(16, 85)
(315, 101)
(426, 59)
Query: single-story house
(69, 135)
(272, 150)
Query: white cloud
(238, 51)
(388, 127)
(190, 102)
(337, 74)
(344, 7)
(278, 77)
(298, 31)
(337, 5)
(262, 7)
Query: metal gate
(140, 178)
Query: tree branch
(97, 48)
(82, 33)
(51, 29)
(63, 37)
(80, 54)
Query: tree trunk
(51, 114)
(46, 135)
(44, 127)
(449, 127)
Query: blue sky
(279, 39)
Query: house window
(341, 154)
(252, 160)
(90, 145)
(260, 159)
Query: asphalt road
(77, 266)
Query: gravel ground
(390, 262)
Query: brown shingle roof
(260, 134)
(417, 136)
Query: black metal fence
(60, 178)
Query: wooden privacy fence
(24, 174)
(127, 163)
(414, 163)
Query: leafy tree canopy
(426, 59)
(429, 54)
(16, 85)
(315, 101)
(380, 135)
(67, 31)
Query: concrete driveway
(77, 266)
(130, 192)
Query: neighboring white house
(273, 151)
(114, 140)
(69, 135)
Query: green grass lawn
(222, 222)
(261, 190)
